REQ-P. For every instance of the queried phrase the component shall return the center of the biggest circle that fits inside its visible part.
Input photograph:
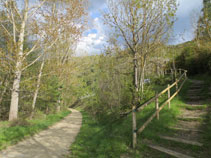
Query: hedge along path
(51, 143)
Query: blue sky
(94, 39)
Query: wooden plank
(162, 92)
(169, 95)
(169, 152)
(160, 108)
(157, 106)
(147, 122)
(180, 140)
(195, 96)
(134, 127)
(186, 129)
(172, 85)
(155, 113)
(165, 90)
(193, 118)
(194, 90)
(145, 104)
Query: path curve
(51, 143)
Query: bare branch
(6, 30)
(32, 62)
(37, 8)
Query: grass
(114, 140)
(10, 135)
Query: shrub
(196, 60)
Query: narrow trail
(51, 143)
(189, 128)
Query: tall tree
(27, 21)
(63, 29)
(204, 23)
(142, 25)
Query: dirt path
(51, 143)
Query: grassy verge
(10, 135)
(114, 140)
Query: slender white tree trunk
(37, 87)
(13, 114)
(142, 74)
(142, 82)
(135, 101)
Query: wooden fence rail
(181, 79)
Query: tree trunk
(13, 114)
(142, 74)
(37, 88)
(2, 94)
(135, 101)
(58, 108)
(5, 84)
(142, 82)
(174, 68)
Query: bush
(20, 122)
(197, 60)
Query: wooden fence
(178, 84)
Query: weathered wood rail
(178, 84)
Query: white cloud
(93, 42)
(188, 12)
(96, 4)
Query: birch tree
(204, 24)
(63, 29)
(25, 20)
(142, 25)
(17, 40)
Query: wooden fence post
(172, 75)
(185, 74)
(134, 127)
(180, 72)
(175, 74)
(176, 84)
(157, 105)
(169, 95)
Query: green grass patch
(10, 135)
(113, 140)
